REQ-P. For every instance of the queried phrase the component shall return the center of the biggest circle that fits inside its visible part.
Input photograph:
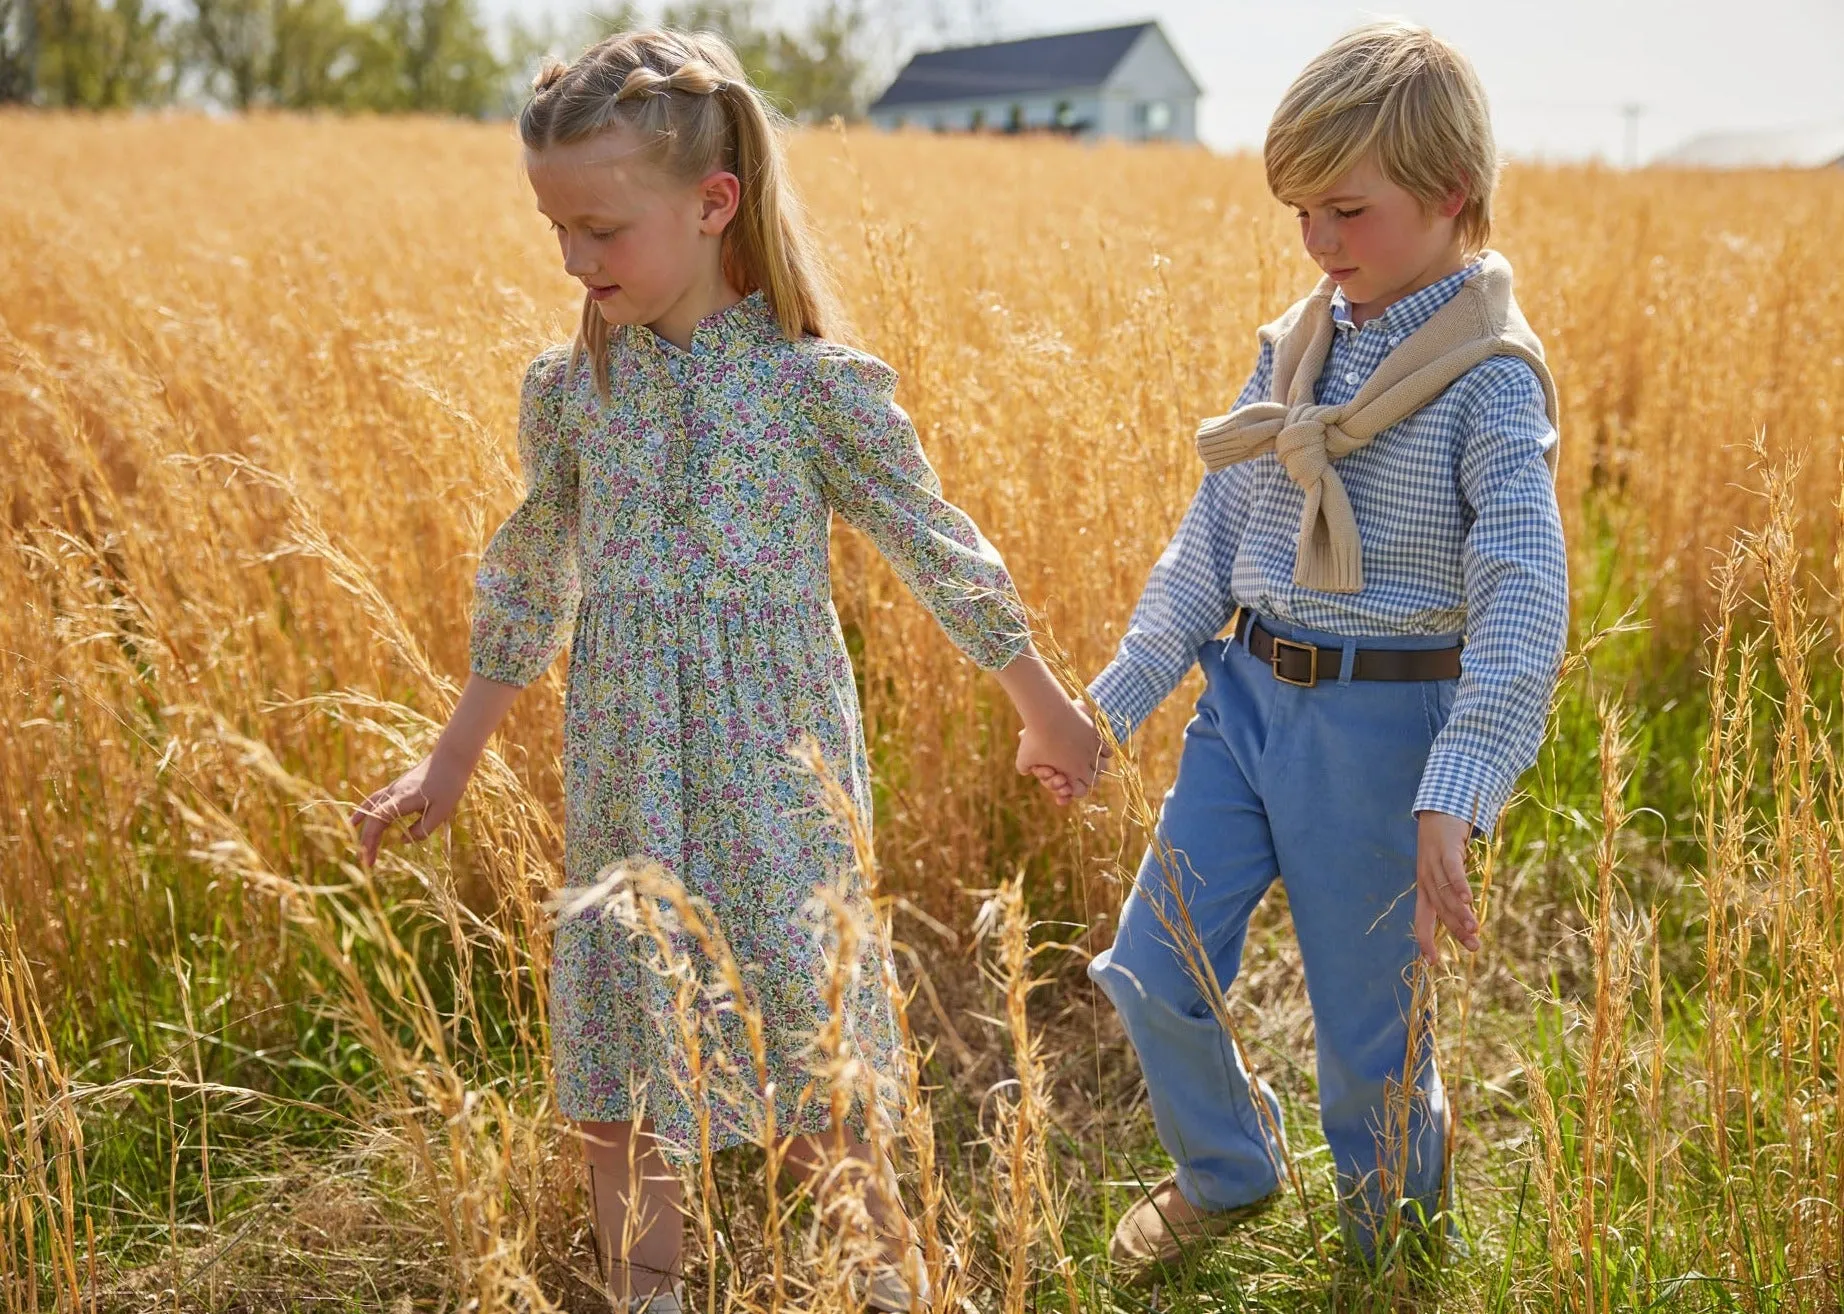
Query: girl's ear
(719, 195)
(1452, 203)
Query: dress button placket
(682, 417)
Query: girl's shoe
(669, 1301)
(888, 1291)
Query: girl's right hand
(428, 792)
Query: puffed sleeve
(875, 475)
(526, 587)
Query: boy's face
(1376, 240)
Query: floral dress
(679, 535)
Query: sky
(1558, 72)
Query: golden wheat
(255, 410)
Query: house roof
(1010, 68)
(1797, 148)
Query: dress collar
(1414, 310)
(736, 328)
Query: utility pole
(1632, 110)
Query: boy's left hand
(1441, 889)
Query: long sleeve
(871, 465)
(1517, 600)
(1187, 597)
(527, 586)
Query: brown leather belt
(1306, 664)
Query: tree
(823, 70)
(443, 61)
(234, 39)
(315, 53)
(84, 54)
(18, 51)
(298, 54)
(811, 74)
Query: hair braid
(686, 96)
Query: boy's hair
(686, 95)
(1401, 92)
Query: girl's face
(640, 240)
(1376, 240)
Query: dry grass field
(257, 389)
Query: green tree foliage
(432, 56)
(428, 55)
(18, 50)
(810, 73)
(440, 57)
(85, 54)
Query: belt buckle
(1274, 662)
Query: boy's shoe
(888, 1291)
(1147, 1235)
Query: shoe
(669, 1301)
(1147, 1236)
(888, 1291)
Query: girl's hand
(1063, 750)
(1441, 891)
(428, 791)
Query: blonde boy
(1381, 493)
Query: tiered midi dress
(678, 536)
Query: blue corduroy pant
(1315, 787)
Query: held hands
(1441, 891)
(1064, 751)
(427, 792)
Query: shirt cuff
(1463, 787)
(1126, 698)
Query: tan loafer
(1148, 1236)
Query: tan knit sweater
(1481, 320)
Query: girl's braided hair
(685, 95)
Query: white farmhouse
(1121, 82)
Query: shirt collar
(1414, 310)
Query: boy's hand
(1441, 891)
(428, 791)
(1064, 751)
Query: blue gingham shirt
(1456, 511)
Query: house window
(1154, 117)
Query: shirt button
(1394, 338)
(1350, 376)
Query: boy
(1384, 485)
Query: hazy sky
(1557, 71)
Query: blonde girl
(683, 458)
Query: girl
(682, 459)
